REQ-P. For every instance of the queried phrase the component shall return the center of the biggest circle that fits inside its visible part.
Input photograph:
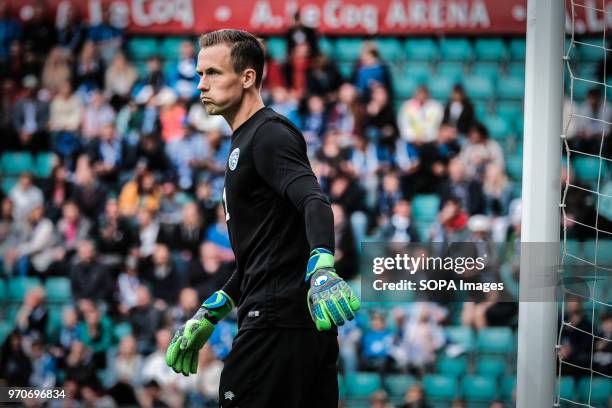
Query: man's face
(220, 86)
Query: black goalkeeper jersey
(267, 232)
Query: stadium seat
(440, 87)
(13, 163)
(511, 87)
(361, 385)
(54, 321)
(421, 49)
(346, 69)
(499, 128)
(170, 47)
(277, 48)
(516, 69)
(478, 87)
(326, 46)
(495, 340)
(121, 330)
(451, 70)
(397, 384)
(404, 87)
(390, 49)
(517, 49)
(5, 329)
(142, 47)
(348, 49)
(567, 387)
(456, 367)
(509, 110)
(18, 286)
(8, 183)
(425, 207)
(591, 49)
(599, 388)
(491, 366)
(45, 163)
(514, 167)
(581, 88)
(478, 388)
(489, 70)
(490, 49)
(587, 70)
(419, 71)
(440, 387)
(456, 49)
(461, 335)
(508, 385)
(586, 168)
(481, 108)
(58, 290)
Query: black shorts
(288, 368)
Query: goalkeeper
(288, 297)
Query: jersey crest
(233, 159)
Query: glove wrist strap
(320, 258)
(216, 307)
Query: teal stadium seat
(390, 49)
(456, 367)
(170, 47)
(514, 167)
(490, 49)
(58, 290)
(398, 384)
(346, 69)
(586, 169)
(481, 108)
(499, 340)
(461, 335)
(277, 48)
(141, 67)
(499, 128)
(581, 88)
(422, 49)
(456, 49)
(511, 87)
(451, 70)
(121, 330)
(141, 48)
(404, 87)
(44, 164)
(567, 387)
(425, 207)
(516, 69)
(587, 70)
(440, 387)
(591, 49)
(478, 388)
(509, 110)
(479, 87)
(14, 163)
(326, 46)
(419, 71)
(489, 70)
(18, 286)
(517, 48)
(8, 183)
(440, 87)
(54, 321)
(348, 49)
(5, 330)
(599, 388)
(507, 387)
(361, 385)
(491, 366)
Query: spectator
(113, 234)
(88, 193)
(96, 334)
(497, 197)
(141, 193)
(208, 272)
(126, 368)
(185, 237)
(128, 284)
(188, 305)
(299, 34)
(459, 111)
(347, 115)
(154, 77)
(108, 38)
(419, 118)
(93, 395)
(151, 151)
(30, 118)
(165, 280)
(186, 78)
(15, 366)
(400, 227)
(25, 196)
(390, 194)
(218, 235)
(172, 115)
(283, 102)
(71, 31)
(65, 120)
(38, 31)
(97, 115)
(376, 345)
(89, 279)
(72, 228)
(44, 371)
(188, 156)
(296, 68)
(323, 77)
(79, 364)
(119, 79)
(11, 231)
(480, 151)
(108, 154)
(32, 316)
(8, 97)
(576, 340)
(379, 124)
(451, 224)
(594, 118)
(145, 319)
(312, 121)
(434, 158)
(414, 398)
(35, 253)
(88, 70)
(602, 354)
(468, 192)
(380, 399)
(209, 377)
(148, 232)
(371, 71)
(10, 30)
(69, 330)
(273, 77)
(56, 70)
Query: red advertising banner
(345, 17)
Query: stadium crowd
(131, 212)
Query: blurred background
(112, 230)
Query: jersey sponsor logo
(229, 395)
(233, 159)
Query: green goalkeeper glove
(330, 298)
(183, 351)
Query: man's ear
(249, 78)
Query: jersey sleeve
(279, 154)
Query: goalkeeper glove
(330, 299)
(183, 351)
